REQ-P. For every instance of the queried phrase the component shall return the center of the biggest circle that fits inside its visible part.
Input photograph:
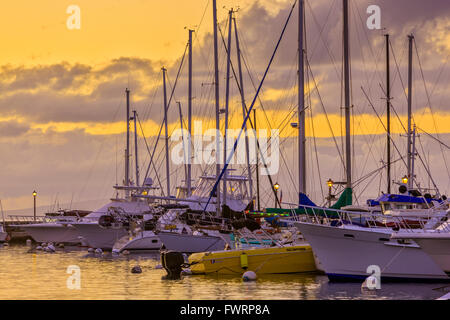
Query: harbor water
(30, 274)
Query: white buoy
(249, 276)
(28, 242)
(61, 245)
(50, 248)
(43, 244)
(91, 250)
(115, 251)
(98, 250)
(39, 248)
(6, 244)
(126, 252)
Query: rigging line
(330, 54)
(264, 112)
(368, 41)
(250, 120)
(158, 81)
(440, 73)
(98, 154)
(434, 138)
(429, 104)
(427, 161)
(252, 81)
(323, 27)
(250, 109)
(150, 108)
(357, 182)
(148, 150)
(168, 106)
(312, 127)
(384, 127)
(370, 142)
(398, 71)
(325, 111)
(429, 175)
(367, 185)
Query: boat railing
(337, 217)
(23, 219)
(26, 219)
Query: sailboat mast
(166, 133)
(127, 150)
(227, 99)
(388, 114)
(216, 85)
(410, 155)
(257, 163)
(189, 168)
(182, 139)
(347, 96)
(241, 84)
(301, 105)
(136, 148)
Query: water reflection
(30, 274)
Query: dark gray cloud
(12, 129)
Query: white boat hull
(96, 236)
(346, 254)
(438, 250)
(52, 232)
(143, 241)
(189, 243)
(435, 244)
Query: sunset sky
(62, 102)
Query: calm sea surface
(38, 275)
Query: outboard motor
(172, 262)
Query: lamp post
(34, 207)
(276, 186)
(330, 186)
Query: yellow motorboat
(263, 260)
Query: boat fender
(136, 269)
(98, 250)
(249, 276)
(90, 250)
(244, 261)
(28, 242)
(39, 248)
(50, 248)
